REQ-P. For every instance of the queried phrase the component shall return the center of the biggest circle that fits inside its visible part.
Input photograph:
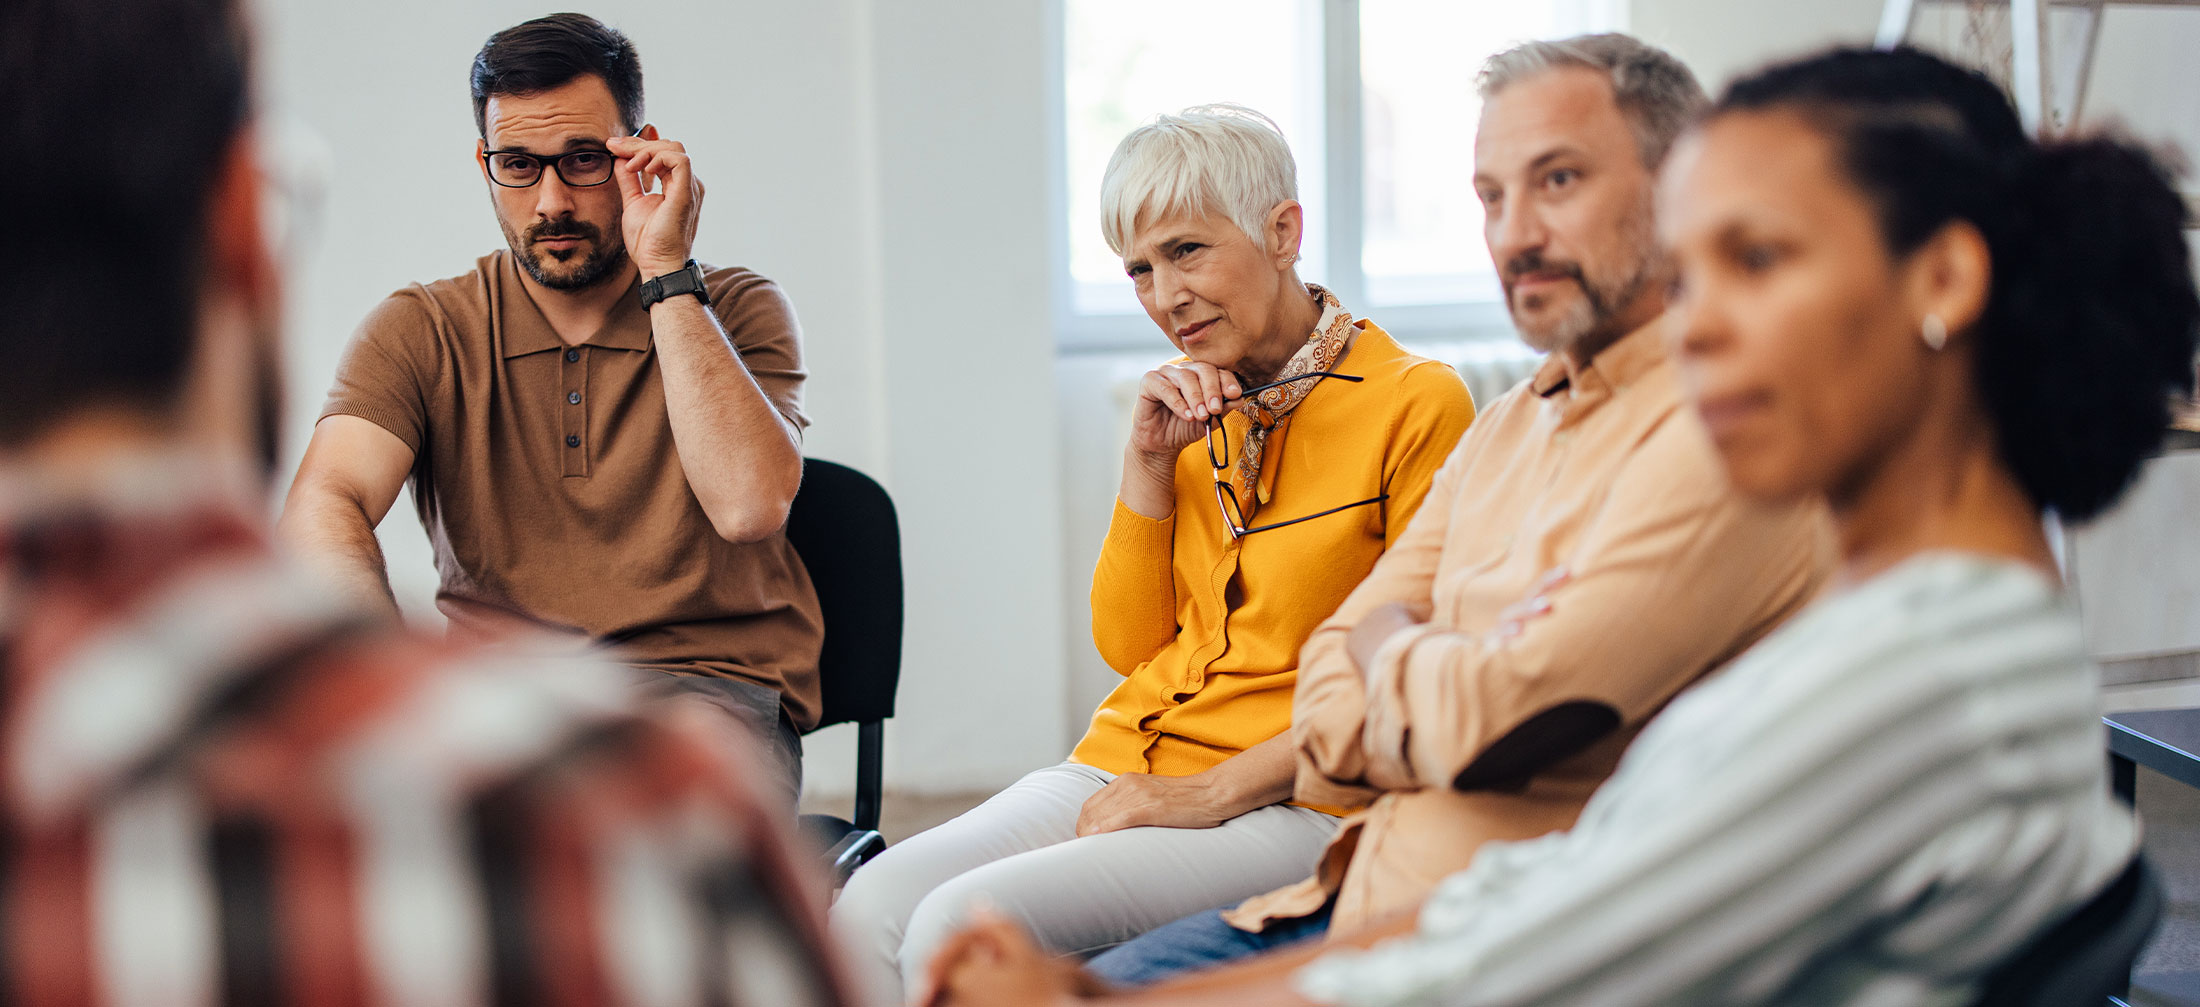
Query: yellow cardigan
(1206, 629)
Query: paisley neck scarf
(1267, 410)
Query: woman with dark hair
(1891, 298)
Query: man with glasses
(602, 437)
(225, 783)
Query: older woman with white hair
(1268, 467)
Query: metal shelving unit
(2051, 59)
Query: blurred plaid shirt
(222, 784)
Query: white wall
(891, 162)
(965, 175)
(2142, 76)
(792, 183)
(1719, 39)
(832, 144)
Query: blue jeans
(1198, 942)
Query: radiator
(1490, 366)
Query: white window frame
(1343, 196)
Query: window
(1377, 99)
(1125, 60)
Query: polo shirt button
(572, 355)
(572, 440)
(573, 398)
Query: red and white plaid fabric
(220, 784)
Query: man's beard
(601, 262)
(1604, 300)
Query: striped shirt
(1872, 806)
(218, 784)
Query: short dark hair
(2090, 326)
(99, 286)
(552, 51)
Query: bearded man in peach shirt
(1580, 559)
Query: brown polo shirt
(546, 477)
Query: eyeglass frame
(555, 162)
(1226, 493)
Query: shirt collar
(1633, 355)
(523, 329)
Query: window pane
(1423, 228)
(1126, 60)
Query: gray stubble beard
(1601, 303)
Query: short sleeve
(389, 372)
(761, 322)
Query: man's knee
(1193, 942)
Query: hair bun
(2092, 330)
(2091, 320)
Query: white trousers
(1020, 851)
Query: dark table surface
(2166, 741)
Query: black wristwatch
(686, 281)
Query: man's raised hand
(659, 226)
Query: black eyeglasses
(518, 169)
(1220, 456)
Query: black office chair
(2086, 958)
(843, 525)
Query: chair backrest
(843, 525)
(2086, 958)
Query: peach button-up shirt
(1585, 559)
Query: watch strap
(684, 281)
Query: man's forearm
(335, 536)
(741, 457)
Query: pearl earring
(1935, 333)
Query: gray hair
(1655, 91)
(1222, 158)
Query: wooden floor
(903, 815)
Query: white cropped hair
(1206, 159)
